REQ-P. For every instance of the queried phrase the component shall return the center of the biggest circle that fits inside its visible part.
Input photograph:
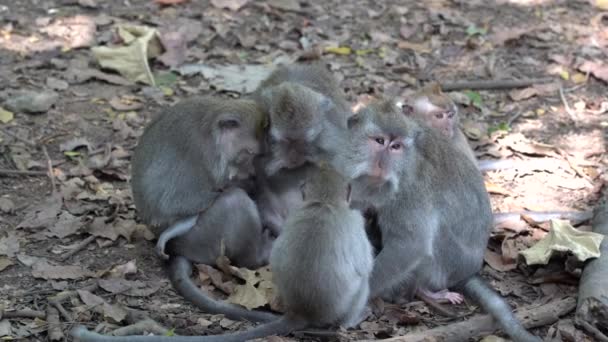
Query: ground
(82, 121)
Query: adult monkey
(433, 210)
(190, 173)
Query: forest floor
(60, 110)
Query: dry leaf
(564, 238)
(42, 269)
(233, 5)
(496, 261)
(6, 116)
(9, 245)
(4, 263)
(420, 48)
(497, 189)
(169, 2)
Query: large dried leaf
(43, 269)
(238, 78)
(564, 238)
(42, 215)
(131, 60)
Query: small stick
(54, 329)
(493, 84)
(566, 105)
(147, 325)
(481, 325)
(49, 165)
(78, 248)
(7, 172)
(513, 118)
(22, 314)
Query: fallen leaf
(287, 5)
(75, 143)
(6, 329)
(505, 34)
(66, 225)
(417, 47)
(564, 238)
(522, 94)
(131, 60)
(33, 102)
(248, 296)
(519, 143)
(134, 288)
(42, 215)
(9, 245)
(496, 261)
(497, 189)
(6, 116)
(601, 4)
(339, 50)
(4, 263)
(73, 32)
(91, 300)
(596, 68)
(42, 269)
(169, 2)
(233, 5)
(125, 103)
(238, 78)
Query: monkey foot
(160, 250)
(452, 297)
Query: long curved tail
(281, 326)
(180, 269)
(496, 306)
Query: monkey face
(443, 121)
(238, 145)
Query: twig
(530, 317)
(13, 135)
(22, 314)
(147, 325)
(493, 84)
(7, 172)
(78, 248)
(54, 329)
(49, 165)
(513, 118)
(566, 105)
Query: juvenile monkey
(321, 265)
(307, 112)
(189, 172)
(433, 211)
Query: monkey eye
(439, 115)
(380, 141)
(396, 146)
(450, 114)
(228, 124)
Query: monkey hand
(160, 248)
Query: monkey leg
(180, 227)
(358, 310)
(390, 272)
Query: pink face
(442, 120)
(384, 150)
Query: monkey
(188, 157)
(321, 265)
(307, 111)
(191, 171)
(306, 108)
(433, 210)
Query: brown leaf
(522, 94)
(125, 103)
(233, 5)
(66, 225)
(519, 143)
(134, 288)
(42, 269)
(169, 2)
(497, 262)
(596, 68)
(42, 215)
(506, 34)
(497, 189)
(73, 32)
(4, 263)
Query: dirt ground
(82, 121)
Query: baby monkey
(321, 265)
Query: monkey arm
(180, 227)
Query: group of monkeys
(292, 177)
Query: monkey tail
(496, 306)
(180, 269)
(281, 326)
